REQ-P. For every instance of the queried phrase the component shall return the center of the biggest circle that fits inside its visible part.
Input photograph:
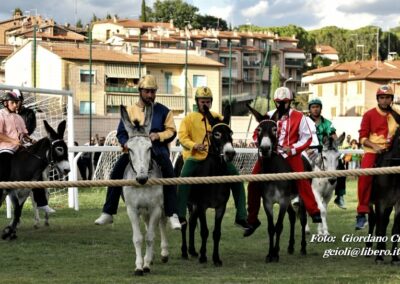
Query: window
(85, 76)
(333, 112)
(358, 110)
(359, 87)
(168, 82)
(84, 107)
(319, 90)
(199, 81)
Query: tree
(275, 79)
(108, 17)
(177, 10)
(18, 10)
(320, 61)
(210, 22)
(143, 15)
(94, 18)
(79, 24)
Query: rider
(29, 117)
(326, 129)
(193, 130)
(162, 132)
(12, 129)
(294, 136)
(377, 129)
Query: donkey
(385, 196)
(28, 165)
(143, 201)
(327, 160)
(214, 196)
(276, 192)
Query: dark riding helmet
(19, 94)
(10, 96)
(315, 101)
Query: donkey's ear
(148, 118)
(50, 131)
(127, 121)
(256, 114)
(340, 139)
(61, 128)
(211, 119)
(227, 114)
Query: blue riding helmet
(314, 102)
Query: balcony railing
(121, 89)
(225, 73)
(173, 102)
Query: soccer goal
(52, 106)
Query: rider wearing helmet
(378, 126)
(326, 129)
(192, 134)
(294, 136)
(12, 129)
(162, 132)
(27, 114)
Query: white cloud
(221, 12)
(329, 15)
(260, 8)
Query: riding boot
(188, 169)
(114, 192)
(238, 195)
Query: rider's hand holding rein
(154, 136)
(199, 147)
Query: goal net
(244, 160)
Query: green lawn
(74, 250)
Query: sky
(309, 14)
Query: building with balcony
(114, 75)
(244, 52)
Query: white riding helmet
(283, 94)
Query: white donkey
(146, 201)
(323, 188)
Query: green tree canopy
(210, 22)
(181, 12)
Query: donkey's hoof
(146, 269)
(203, 259)
(303, 252)
(268, 258)
(139, 272)
(193, 253)
(395, 262)
(290, 250)
(164, 259)
(379, 260)
(217, 263)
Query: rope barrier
(199, 180)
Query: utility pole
(377, 46)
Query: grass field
(74, 250)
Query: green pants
(237, 188)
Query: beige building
(252, 54)
(114, 75)
(349, 89)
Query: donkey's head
(221, 134)
(266, 133)
(58, 153)
(139, 143)
(328, 160)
